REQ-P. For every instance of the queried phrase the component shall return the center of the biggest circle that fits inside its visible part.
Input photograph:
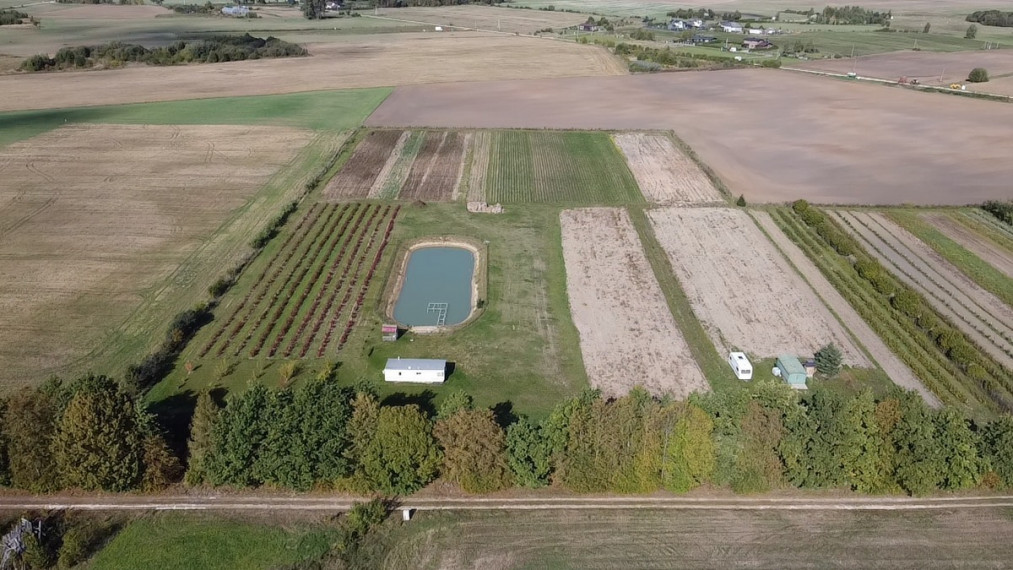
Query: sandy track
(366, 61)
(665, 175)
(991, 252)
(980, 315)
(381, 176)
(881, 353)
(627, 334)
(742, 289)
(98, 220)
(735, 121)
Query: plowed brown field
(360, 172)
(742, 289)
(437, 168)
(627, 334)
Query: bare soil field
(993, 253)
(894, 367)
(742, 289)
(617, 539)
(358, 175)
(876, 147)
(627, 334)
(436, 171)
(99, 12)
(979, 314)
(487, 18)
(925, 66)
(101, 223)
(665, 175)
(364, 61)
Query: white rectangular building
(740, 365)
(417, 370)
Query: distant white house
(696, 23)
(732, 27)
(416, 370)
(677, 25)
(238, 11)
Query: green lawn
(319, 110)
(522, 349)
(562, 168)
(191, 541)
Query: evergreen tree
(161, 467)
(325, 412)
(200, 446)
(402, 456)
(361, 429)
(474, 450)
(313, 9)
(282, 458)
(828, 360)
(98, 445)
(237, 438)
(453, 403)
(690, 458)
(529, 454)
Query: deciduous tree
(402, 455)
(474, 450)
(529, 454)
(690, 458)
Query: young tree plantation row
(92, 435)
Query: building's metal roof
(789, 364)
(429, 364)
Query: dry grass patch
(95, 222)
(665, 174)
(627, 334)
(365, 166)
(742, 289)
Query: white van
(740, 365)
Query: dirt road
(274, 503)
(887, 360)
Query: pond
(437, 287)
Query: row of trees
(208, 50)
(92, 435)
(1003, 211)
(991, 18)
(851, 15)
(10, 17)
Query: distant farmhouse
(702, 39)
(589, 26)
(756, 43)
(679, 25)
(237, 11)
(732, 27)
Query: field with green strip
(563, 168)
(317, 110)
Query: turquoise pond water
(437, 287)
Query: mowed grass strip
(990, 279)
(568, 168)
(187, 541)
(317, 110)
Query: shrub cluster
(213, 49)
(669, 58)
(10, 17)
(1001, 210)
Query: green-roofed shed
(792, 371)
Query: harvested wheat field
(984, 318)
(627, 334)
(486, 17)
(991, 252)
(742, 289)
(436, 171)
(361, 61)
(365, 166)
(102, 227)
(665, 174)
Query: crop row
(308, 241)
(279, 262)
(339, 262)
(353, 319)
(950, 298)
(325, 244)
(332, 325)
(870, 294)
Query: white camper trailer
(740, 365)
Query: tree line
(214, 49)
(13, 17)
(991, 18)
(93, 435)
(851, 15)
